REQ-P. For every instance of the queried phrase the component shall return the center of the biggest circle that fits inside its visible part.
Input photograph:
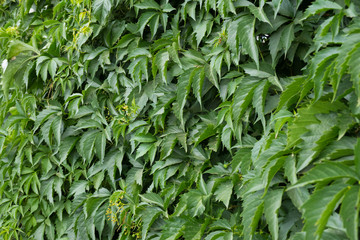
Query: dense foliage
(195, 119)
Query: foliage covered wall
(208, 119)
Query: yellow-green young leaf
(319, 207)
(349, 212)
(325, 172)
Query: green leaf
(198, 76)
(357, 156)
(223, 192)
(161, 61)
(183, 90)
(101, 10)
(253, 206)
(16, 47)
(319, 207)
(272, 203)
(100, 145)
(66, 146)
(87, 144)
(78, 187)
(52, 68)
(144, 20)
(243, 96)
(196, 203)
(320, 6)
(205, 133)
(325, 172)
(153, 198)
(172, 229)
(246, 31)
(193, 229)
(148, 4)
(287, 37)
(349, 212)
(43, 116)
(92, 204)
(13, 67)
(149, 216)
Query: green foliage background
(208, 119)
